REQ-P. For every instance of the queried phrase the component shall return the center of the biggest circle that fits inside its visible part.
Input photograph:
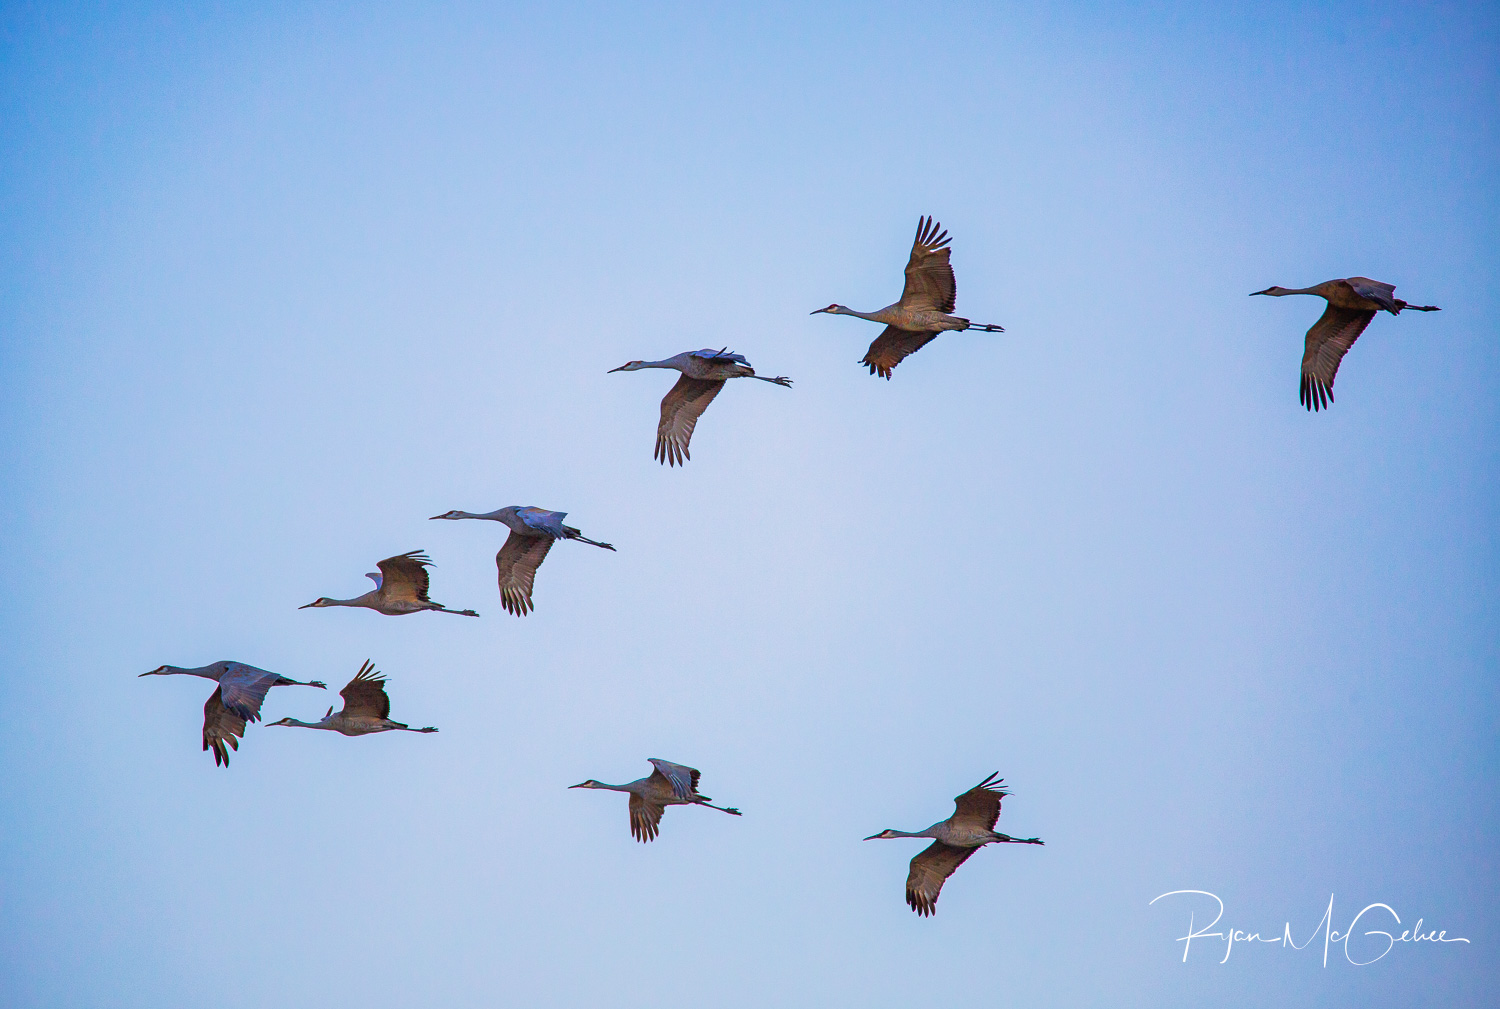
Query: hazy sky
(278, 286)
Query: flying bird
(366, 708)
(400, 588)
(532, 533)
(234, 702)
(1352, 303)
(704, 373)
(668, 785)
(971, 827)
(923, 311)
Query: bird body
(971, 827)
(704, 373)
(237, 700)
(532, 533)
(400, 588)
(1352, 304)
(925, 308)
(668, 784)
(367, 708)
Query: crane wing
(644, 818)
(680, 410)
(548, 523)
(1327, 342)
(405, 576)
(929, 277)
(517, 562)
(683, 780)
(242, 688)
(220, 726)
(721, 355)
(892, 347)
(929, 871)
(980, 805)
(1382, 294)
(364, 696)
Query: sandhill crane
(922, 312)
(704, 373)
(366, 708)
(1352, 303)
(971, 827)
(234, 702)
(532, 532)
(668, 785)
(400, 588)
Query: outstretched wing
(242, 688)
(517, 562)
(1327, 342)
(405, 575)
(892, 347)
(221, 726)
(980, 805)
(929, 277)
(929, 871)
(364, 696)
(682, 779)
(644, 818)
(680, 410)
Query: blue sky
(278, 286)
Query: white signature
(1331, 935)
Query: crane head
(591, 783)
(628, 366)
(831, 310)
(159, 671)
(281, 721)
(887, 833)
(453, 514)
(1274, 292)
(320, 601)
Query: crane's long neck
(879, 315)
(325, 723)
(207, 672)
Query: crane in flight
(923, 311)
(668, 784)
(704, 373)
(235, 701)
(532, 533)
(1352, 303)
(400, 588)
(366, 708)
(971, 827)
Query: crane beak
(1266, 291)
(611, 372)
(581, 784)
(307, 607)
(873, 837)
(817, 311)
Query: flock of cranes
(924, 310)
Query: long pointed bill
(308, 606)
(612, 371)
(1266, 291)
(873, 837)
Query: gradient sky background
(279, 285)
